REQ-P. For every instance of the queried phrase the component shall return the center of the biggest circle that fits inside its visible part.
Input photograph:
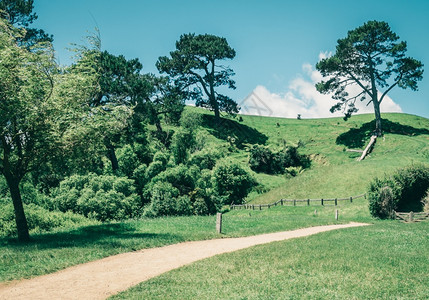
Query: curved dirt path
(105, 277)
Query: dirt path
(103, 278)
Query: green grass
(334, 173)
(388, 260)
(51, 252)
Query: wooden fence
(295, 202)
(412, 216)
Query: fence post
(219, 222)
(260, 208)
(253, 207)
(321, 201)
(411, 216)
(308, 202)
(336, 214)
(351, 199)
(281, 202)
(336, 202)
(294, 202)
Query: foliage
(20, 14)
(194, 65)
(372, 58)
(232, 182)
(404, 191)
(102, 197)
(181, 144)
(40, 220)
(205, 159)
(262, 159)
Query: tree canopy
(372, 58)
(195, 70)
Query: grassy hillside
(334, 171)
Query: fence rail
(411, 216)
(295, 202)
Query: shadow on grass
(107, 235)
(242, 134)
(357, 137)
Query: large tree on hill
(372, 58)
(195, 70)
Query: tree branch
(389, 89)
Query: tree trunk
(20, 219)
(377, 118)
(112, 156)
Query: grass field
(51, 252)
(388, 260)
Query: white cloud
(303, 98)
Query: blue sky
(278, 43)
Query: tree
(26, 85)
(20, 14)
(372, 58)
(194, 65)
(123, 84)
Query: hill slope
(334, 171)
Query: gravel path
(105, 277)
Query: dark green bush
(262, 159)
(404, 191)
(102, 197)
(232, 182)
(183, 140)
(163, 200)
(205, 159)
(127, 160)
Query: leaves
(195, 72)
(372, 58)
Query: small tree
(194, 65)
(372, 58)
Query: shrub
(262, 159)
(102, 197)
(232, 182)
(127, 160)
(163, 200)
(205, 159)
(183, 140)
(404, 191)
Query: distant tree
(372, 58)
(194, 65)
(20, 14)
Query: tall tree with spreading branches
(373, 58)
(195, 70)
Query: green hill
(334, 171)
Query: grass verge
(48, 253)
(385, 261)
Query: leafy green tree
(373, 58)
(193, 66)
(26, 113)
(20, 14)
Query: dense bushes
(262, 159)
(232, 182)
(102, 197)
(403, 191)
